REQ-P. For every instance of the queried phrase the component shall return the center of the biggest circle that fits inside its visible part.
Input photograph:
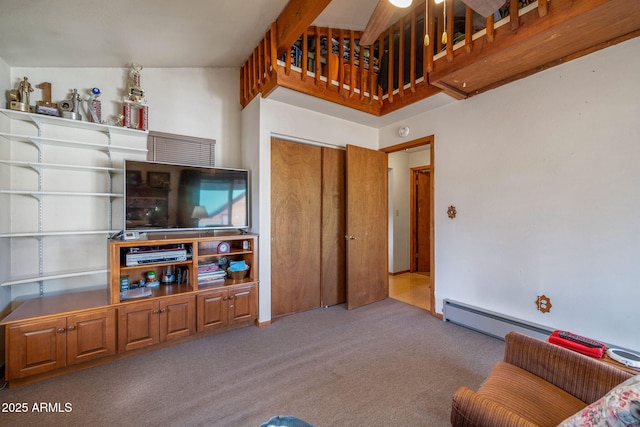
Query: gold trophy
(46, 106)
(19, 98)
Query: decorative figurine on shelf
(69, 108)
(135, 106)
(119, 121)
(152, 280)
(25, 90)
(19, 99)
(46, 106)
(94, 106)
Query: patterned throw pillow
(619, 407)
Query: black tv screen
(164, 196)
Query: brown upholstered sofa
(537, 384)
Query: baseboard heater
(490, 323)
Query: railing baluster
(273, 43)
(305, 56)
(341, 74)
(542, 8)
(267, 57)
(468, 29)
(514, 17)
(263, 76)
(362, 85)
(490, 28)
(372, 75)
(287, 62)
(243, 90)
(317, 56)
(258, 70)
(330, 65)
(440, 29)
(429, 30)
(412, 59)
(380, 54)
(253, 71)
(390, 66)
(401, 52)
(352, 65)
(450, 13)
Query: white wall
(201, 102)
(255, 157)
(543, 173)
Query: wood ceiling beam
(379, 21)
(296, 17)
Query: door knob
(349, 237)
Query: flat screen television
(167, 197)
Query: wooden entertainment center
(52, 335)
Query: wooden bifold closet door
(307, 227)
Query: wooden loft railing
(335, 74)
(326, 75)
(524, 41)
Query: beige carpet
(385, 364)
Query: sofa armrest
(470, 409)
(586, 378)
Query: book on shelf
(212, 276)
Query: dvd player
(155, 257)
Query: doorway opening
(413, 281)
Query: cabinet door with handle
(138, 325)
(36, 347)
(212, 309)
(242, 304)
(177, 317)
(91, 336)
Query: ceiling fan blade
(378, 22)
(484, 7)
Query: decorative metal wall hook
(544, 303)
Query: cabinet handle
(231, 306)
(71, 328)
(163, 310)
(61, 330)
(156, 311)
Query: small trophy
(94, 106)
(69, 108)
(136, 94)
(46, 106)
(19, 98)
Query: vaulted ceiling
(155, 33)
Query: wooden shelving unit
(200, 250)
(52, 335)
(58, 333)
